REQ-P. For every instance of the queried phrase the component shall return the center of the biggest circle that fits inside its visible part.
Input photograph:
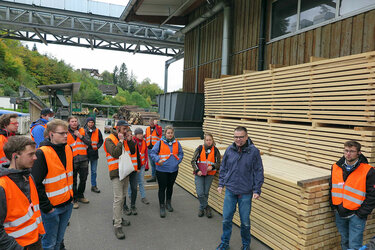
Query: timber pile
(135, 118)
(135, 115)
(293, 212)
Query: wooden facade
(352, 35)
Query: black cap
(122, 123)
(46, 111)
(90, 119)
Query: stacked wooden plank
(293, 212)
(336, 91)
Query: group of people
(43, 172)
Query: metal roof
(66, 87)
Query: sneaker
(222, 246)
(145, 201)
(152, 179)
(83, 200)
(75, 205)
(200, 213)
(208, 212)
(134, 210)
(95, 189)
(127, 211)
(119, 233)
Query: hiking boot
(119, 233)
(124, 222)
(162, 210)
(95, 189)
(169, 206)
(200, 213)
(222, 246)
(145, 201)
(152, 179)
(134, 210)
(75, 205)
(208, 212)
(127, 211)
(83, 200)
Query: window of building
(289, 16)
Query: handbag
(125, 164)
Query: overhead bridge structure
(35, 23)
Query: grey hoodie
(21, 179)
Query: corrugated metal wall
(352, 35)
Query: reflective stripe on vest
(59, 180)
(210, 160)
(165, 152)
(352, 192)
(142, 152)
(23, 219)
(78, 146)
(151, 138)
(95, 139)
(113, 162)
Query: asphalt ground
(91, 225)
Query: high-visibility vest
(165, 152)
(210, 160)
(58, 182)
(78, 146)
(113, 162)
(142, 152)
(23, 219)
(32, 128)
(3, 140)
(95, 139)
(152, 138)
(352, 192)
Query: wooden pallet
(293, 211)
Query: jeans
(140, 182)
(93, 166)
(202, 187)
(133, 186)
(119, 193)
(152, 163)
(229, 208)
(351, 231)
(166, 181)
(80, 168)
(55, 224)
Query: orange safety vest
(210, 160)
(59, 180)
(352, 192)
(3, 140)
(95, 139)
(78, 146)
(142, 152)
(113, 162)
(23, 219)
(165, 152)
(31, 130)
(152, 138)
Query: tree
(115, 75)
(123, 79)
(107, 77)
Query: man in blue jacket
(37, 128)
(241, 172)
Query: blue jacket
(170, 165)
(242, 172)
(38, 131)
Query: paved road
(91, 224)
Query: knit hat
(138, 131)
(46, 111)
(90, 119)
(122, 123)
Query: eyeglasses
(61, 133)
(350, 151)
(15, 123)
(239, 137)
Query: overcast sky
(143, 66)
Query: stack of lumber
(337, 91)
(293, 211)
(135, 115)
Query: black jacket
(21, 179)
(369, 202)
(39, 172)
(91, 153)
